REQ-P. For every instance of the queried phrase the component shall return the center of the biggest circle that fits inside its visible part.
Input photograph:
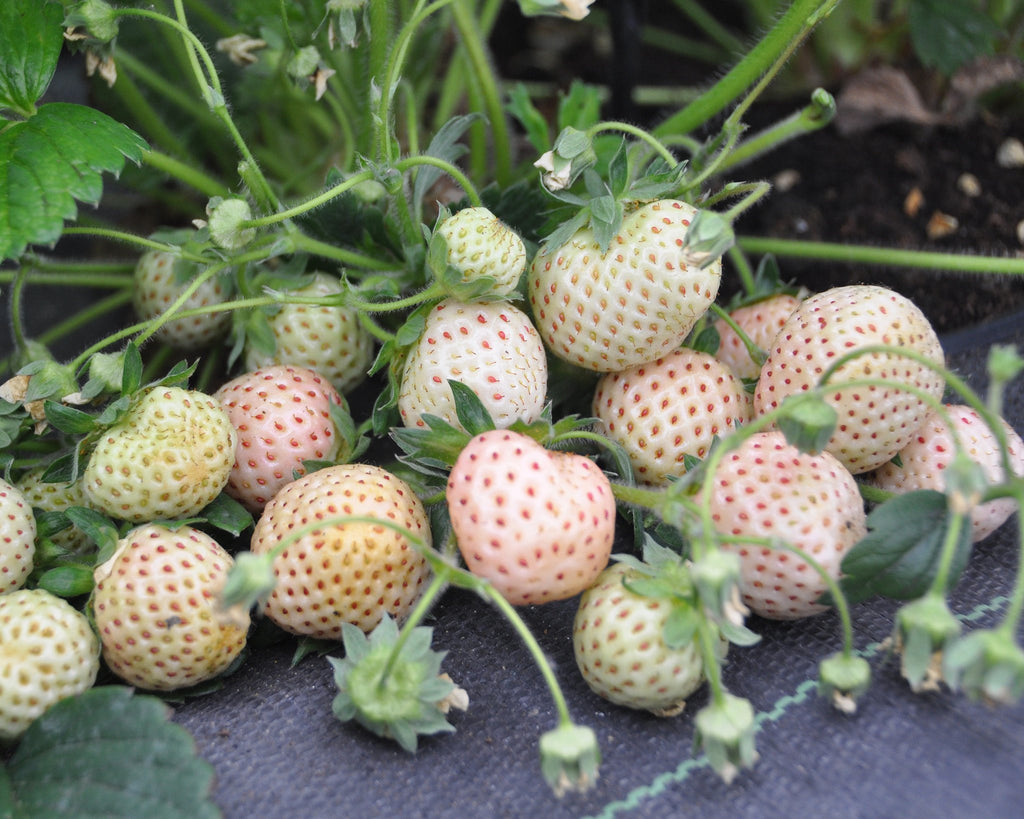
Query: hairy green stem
(791, 28)
(888, 257)
(132, 239)
(193, 177)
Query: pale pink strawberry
(670, 408)
(17, 538)
(168, 457)
(282, 417)
(537, 524)
(875, 422)
(768, 489)
(619, 645)
(354, 572)
(156, 608)
(491, 347)
(924, 460)
(761, 322)
(328, 339)
(48, 652)
(634, 303)
(480, 244)
(157, 286)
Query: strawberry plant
(401, 327)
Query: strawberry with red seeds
(156, 608)
(167, 457)
(761, 322)
(158, 283)
(345, 572)
(17, 538)
(48, 652)
(537, 524)
(606, 310)
(922, 462)
(768, 489)
(875, 421)
(325, 338)
(670, 408)
(490, 347)
(282, 417)
(56, 497)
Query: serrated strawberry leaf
(533, 121)
(470, 410)
(138, 762)
(131, 375)
(228, 515)
(98, 528)
(899, 557)
(30, 43)
(50, 161)
(947, 35)
(68, 420)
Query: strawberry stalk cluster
(410, 370)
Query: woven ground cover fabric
(278, 751)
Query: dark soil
(855, 189)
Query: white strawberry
(537, 524)
(156, 609)
(634, 303)
(768, 489)
(158, 284)
(491, 347)
(168, 457)
(17, 538)
(328, 339)
(346, 572)
(56, 497)
(875, 421)
(761, 322)
(670, 408)
(619, 645)
(479, 244)
(48, 652)
(923, 461)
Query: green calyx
(570, 758)
(923, 629)
(725, 730)
(843, 678)
(393, 688)
(987, 664)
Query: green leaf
(138, 763)
(444, 145)
(947, 34)
(131, 376)
(30, 42)
(522, 108)
(50, 161)
(98, 528)
(469, 409)
(900, 555)
(228, 515)
(67, 581)
(68, 419)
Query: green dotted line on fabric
(778, 710)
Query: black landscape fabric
(278, 751)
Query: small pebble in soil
(969, 185)
(1020, 231)
(913, 201)
(1010, 153)
(941, 224)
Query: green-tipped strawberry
(481, 246)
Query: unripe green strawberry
(168, 457)
(761, 322)
(48, 652)
(157, 285)
(156, 609)
(17, 538)
(875, 422)
(618, 641)
(923, 462)
(282, 417)
(56, 497)
(492, 348)
(328, 339)
(480, 244)
(670, 408)
(632, 304)
(353, 572)
(767, 489)
(536, 523)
